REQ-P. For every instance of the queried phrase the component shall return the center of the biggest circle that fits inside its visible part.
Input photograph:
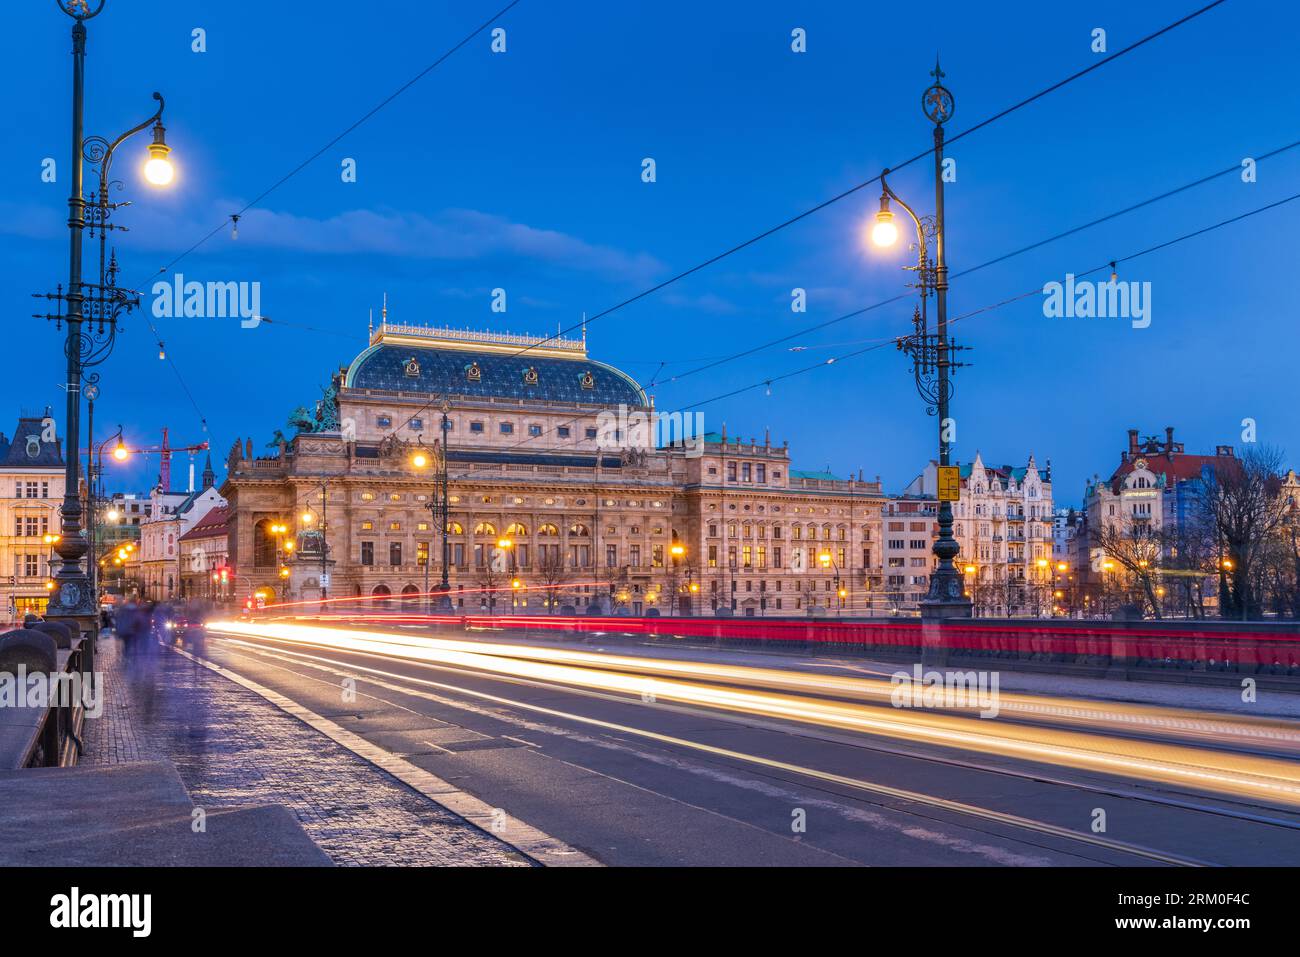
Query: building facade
(31, 493)
(558, 495)
(1151, 494)
(1003, 523)
(171, 514)
(204, 570)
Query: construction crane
(165, 458)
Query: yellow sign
(949, 483)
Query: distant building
(909, 526)
(31, 494)
(204, 559)
(1154, 487)
(171, 515)
(1003, 522)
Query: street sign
(325, 579)
(949, 483)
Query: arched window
(410, 595)
(548, 530)
(381, 594)
(517, 529)
(455, 528)
(577, 528)
(263, 544)
(485, 528)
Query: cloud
(458, 235)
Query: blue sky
(522, 171)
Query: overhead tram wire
(997, 305)
(713, 361)
(353, 126)
(894, 168)
(298, 169)
(834, 360)
(808, 330)
(854, 189)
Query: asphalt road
(637, 764)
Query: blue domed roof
(410, 365)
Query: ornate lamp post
(932, 354)
(439, 509)
(90, 310)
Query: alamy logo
(63, 689)
(647, 431)
(103, 910)
(1085, 299)
(211, 300)
(950, 689)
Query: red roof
(211, 525)
(1179, 467)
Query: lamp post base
(442, 599)
(933, 610)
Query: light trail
(412, 686)
(1192, 725)
(1260, 778)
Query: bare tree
(489, 578)
(551, 575)
(1239, 500)
(1135, 546)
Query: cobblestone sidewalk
(232, 747)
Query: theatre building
(553, 503)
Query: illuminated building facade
(31, 493)
(551, 507)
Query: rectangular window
(635, 551)
(762, 556)
(394, 553)
(563, 431)
(762, 472)
(611, 556)
(591, 433)
(417, 425)
(731, 471)
(367, 553)
(658, 556)
(746, 472)
(507, 428)
(713, 556)
(384, 421)
(534, 430)
(776, 561)
(747, 555)
(476, 428)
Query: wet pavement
(232, 747)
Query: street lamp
(677, 551)
(90, 310)
(439, 505)
(826, 560)
(932, 354)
